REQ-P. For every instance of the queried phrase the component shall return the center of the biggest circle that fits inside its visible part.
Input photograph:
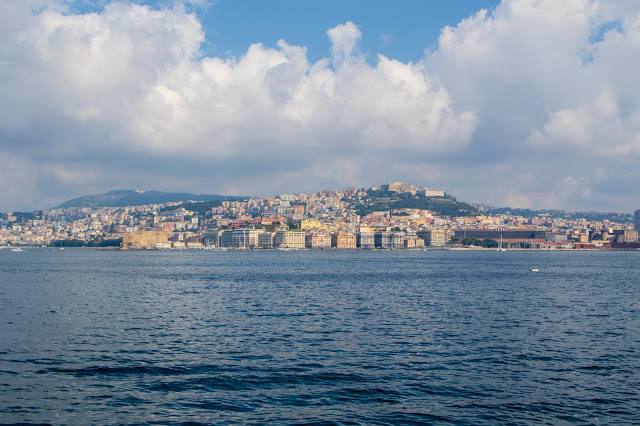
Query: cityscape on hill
(393, 216)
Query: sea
(319, 337)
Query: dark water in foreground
(302, 337)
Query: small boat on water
(17, 249)
(533, 269)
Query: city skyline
(395, 215)
(515, 103)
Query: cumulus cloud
(128, 88)
(552, 86)
(598, 127)
(509, 104)
(344, 39)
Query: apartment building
(365, 240)
(318, 240)
(343, 240)
(289, 239)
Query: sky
(516, 103)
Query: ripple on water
(328, 337)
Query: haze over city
(517, 103)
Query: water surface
(370, 337)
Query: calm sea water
(362, 337)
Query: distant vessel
(534, 269)
(17, 249)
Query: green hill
(124, 198)
(444, 206)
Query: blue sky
(519, 103)
(401, 29)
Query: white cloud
(552, 84)
(595, 128)
(343, 40)
(508, 105)
(126, 87)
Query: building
(365, 240)
(397, 240)
(312, 224)
(625, 235)
(194, 242)
(211, 239)
(265, 240)
(556, 237)
(145, 239)
(226, 238)
(397, 187)
(318, 240)
(382, 239)
(431, 192)
(411, 241)
(289, 239)
(532, 237)
(636, 220)
(433, 237)
(245, 237)
(343, 240)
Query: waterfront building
(265, 240)
(636, 220)
(144, 239)
(194, 243)
(433, 237)
(226, 238)
(289, 239)
(245, 237)
(556, 237)
(410, 241)
(365, 240)
(318, 240)
(625, 235)
(211, 239)
(343, 240)
(533, 237)
(397, 240)
(382, 239)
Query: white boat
(533, 269)
(17, 249)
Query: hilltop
(124, 198)
(376, 201)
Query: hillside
(123, 198)
(563, 214)
(382, 201)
